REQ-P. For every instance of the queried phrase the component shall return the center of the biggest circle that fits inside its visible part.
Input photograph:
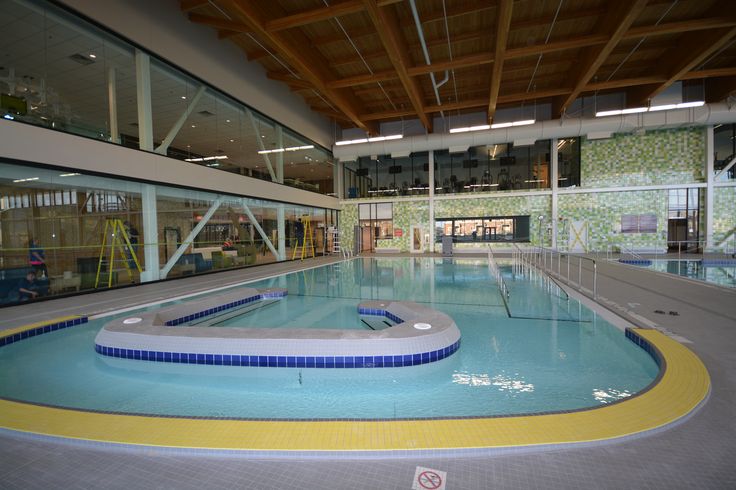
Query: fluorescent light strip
(525, 122)
(281, 150)
(206, 159)
(26, 180)
(369, 140)
(69, 175)
(656, 108)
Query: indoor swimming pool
(535, 351)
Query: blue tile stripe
(719, 263)
(644, 344)
(379, 312)
(636, 261)
(227, 306)
(33, 332)
(326, 362)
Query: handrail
(493, 266)
(545, 259)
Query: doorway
(683, 220)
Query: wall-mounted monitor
(508, 160)
(361, 172)
(394, 169)
(470, 163)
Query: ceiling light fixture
(206, 159)
(482, 127)
(369, 140)
(281, 150)
(656, 108)
(69, 175)
(26, 180)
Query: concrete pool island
(420, 335)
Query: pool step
(218, 318)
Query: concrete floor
(699, 452)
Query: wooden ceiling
(361, 62)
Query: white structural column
(150, 233)
(430, 163)
(279, 156)
(190, 238)
(148, 191)
(143, 92)
(164, 146)
(338, 184)
(262, 147)
(112, 104)
(709, 187)
(554, 165)
(281, 230)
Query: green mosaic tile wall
(602, 211)
(348, 219)
(406, 214)
(656, 157)
(724, 214)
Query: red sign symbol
(429, 480)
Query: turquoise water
(540, 352)
(694, 269)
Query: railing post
(580, 272)
(595, 280)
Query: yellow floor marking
(31, 326)
(683, 386)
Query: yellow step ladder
(306, 239)
(118, 241)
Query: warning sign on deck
(429, 479)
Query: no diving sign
(429, 479)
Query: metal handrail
(546, 259)
(493, 266)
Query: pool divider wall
(421, 335)
(13, 335)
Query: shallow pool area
(536, 352)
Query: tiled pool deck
(693, 453)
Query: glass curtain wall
(80, 232)
(501, 167)
(724, 139)
(63, 73)
(568, 162)
(386, 176)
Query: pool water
(538, 351)
(694, 269)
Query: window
(486, 229)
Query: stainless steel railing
(547, 258)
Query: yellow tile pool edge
(683, 385)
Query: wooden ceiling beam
(219, 23)
(363, 79)
(503, 24)
(320, 14)
(712, 73)
(308, 64)
(680, 27)
(614, 24)
(189, 5)
(390, 33)
(290, 80)
(699, 46)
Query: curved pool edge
(683, 385)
